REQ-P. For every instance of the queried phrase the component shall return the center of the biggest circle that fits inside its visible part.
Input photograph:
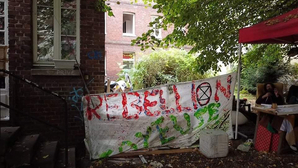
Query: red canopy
(281, 29)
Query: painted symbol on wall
(204, 93)
(95, 55)
(76, 98)
(77, 94)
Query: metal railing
(65, 129)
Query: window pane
(45, 2)
(128, 60)
(128, 55)
(68, 48)
(45, 34)
(2, 23)
(156, 32)
(45, 48)
(1, 8)
(127, 64)
(128, 23)
(1, 38)
(68, 22)
(68, 4)
(44, 19)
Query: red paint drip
(113, 95)
(157, 113)
(125, 110)
(177, 97)
(226, 92)
(169, 111)
(147, 103)
(139, 108)
(218, 84)
(193, 95)
(109, 96)
(107, 106)
(162, 100)
(93, 111)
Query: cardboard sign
(168, 115)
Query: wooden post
(108, 86)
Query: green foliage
(165, 66)
(292, 77)
(263, 63)
(294, 70)
(243, 91)
(211, 27)
(101, 5)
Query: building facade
(38, 34)
(129, 22)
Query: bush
(164, 66)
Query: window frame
(5, 91)
(133, 24)
(57, 32)
(5, 15)
(153, 18)
(105, 22)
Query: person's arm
(278, 97)
(260, 99)
(263, 98)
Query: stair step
(46, 156)
(71, 158)
(8, 136)
(23, 151)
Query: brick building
(129, 22)
(37, 32)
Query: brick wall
(116, 43)
(36, 102)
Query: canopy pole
(238, 89)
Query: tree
(264, 63)
(161, 67)
(210, 26)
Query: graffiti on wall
(170, 115)
(95, 55)
(76, 100)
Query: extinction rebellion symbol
(204, 93)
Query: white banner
(168, 115)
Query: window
(128, 60)
(156, 32)
(128, 24)
(56, 30)
(3, 23)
